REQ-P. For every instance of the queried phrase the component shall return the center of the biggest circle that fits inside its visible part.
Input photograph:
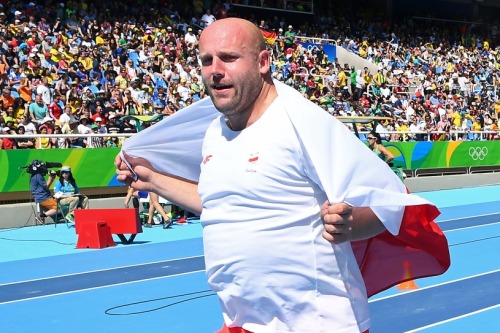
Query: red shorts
(226, 329)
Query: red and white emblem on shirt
(254, 158)
(206, 159)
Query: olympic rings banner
(95, 168)
(428, 154)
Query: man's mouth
(221, 87)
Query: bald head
(236, 29)
(235, 67)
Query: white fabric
(362, 179)
(256, 189)
(335, 161)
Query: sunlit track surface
(81, 281)
(437, 303)
(159, 283)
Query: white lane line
(474, 226)
(99, 287)
(99, 270)
(453, 319)
(467, 217)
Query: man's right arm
(181, 192)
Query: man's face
(230, 68)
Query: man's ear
(264, 62)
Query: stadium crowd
(74, 67)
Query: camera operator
(41, 192)
(67, 192)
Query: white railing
(316, 40)
(96, 135)
(452, 135)
(292, 6)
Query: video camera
(39, 167)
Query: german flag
(269, 36)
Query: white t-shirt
(207, 19)
(45, 92)
(265, 256)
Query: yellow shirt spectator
(403, 127)
(342, 79)
(457, 119)
(99, 40)
(122, 82)
(55, 55)
(477, 125)
(496, 107)
(87, 62)
(363, 52)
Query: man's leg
(48, 208)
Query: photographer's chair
(61, 212)
(39, 220)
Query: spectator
(29, 127)
(23, 143)
(7, 98)
(49, 123)
(55, 110)
(67, 192)
(58, 142)
(154, 204)
(7, 143)
(207, 18)
(38, 110)
(94, 141)
(43, 142)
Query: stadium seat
(160, 82)
(94, 89)
(134, 56)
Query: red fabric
(226, 329)
(420, 250)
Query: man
(55, 109)
(40, 189)
(183, 90)
(190, 38)
(289, 37)
(254, 189)
(66, 117)
(7, 99)
(38, 110)
(44, 91)
(29, 127)
(207, 19)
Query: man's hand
(344, 223)
(141, 175)
(337, 222)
